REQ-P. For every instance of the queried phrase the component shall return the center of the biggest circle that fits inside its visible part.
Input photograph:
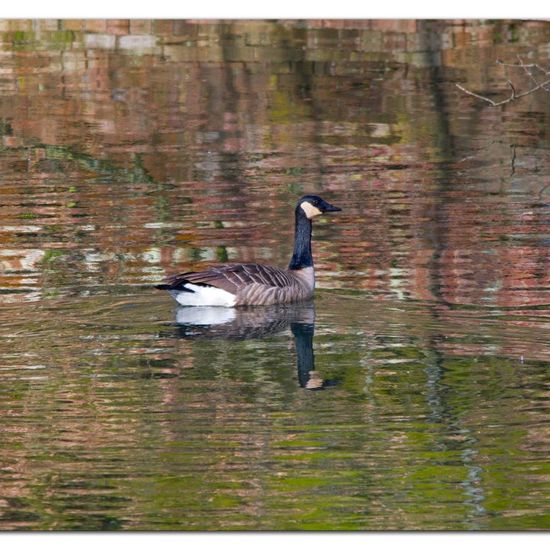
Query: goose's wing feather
(232, 277)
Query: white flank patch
(206, 315)
(205, 296)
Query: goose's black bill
(327, 207)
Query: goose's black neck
(302, 242)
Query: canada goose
(233, 285)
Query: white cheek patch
(310, 210)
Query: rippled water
(413, 394)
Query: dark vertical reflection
(443, 413)
(303, 334)
(438, 233)
(305, 358)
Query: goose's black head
(313, 205)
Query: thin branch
(523, 65)
(493, 103)
(507, 100)
(526, 67)
(515, 95)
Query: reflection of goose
(238, 324)
(245, 323)
(255, 284)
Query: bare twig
(514, 94)
(493, 103)
(523, 65)
(526, 67)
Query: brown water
(414, 394)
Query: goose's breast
(306, 277)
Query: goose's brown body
(252, 284)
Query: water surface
(412, 394)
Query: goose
(248, 284)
